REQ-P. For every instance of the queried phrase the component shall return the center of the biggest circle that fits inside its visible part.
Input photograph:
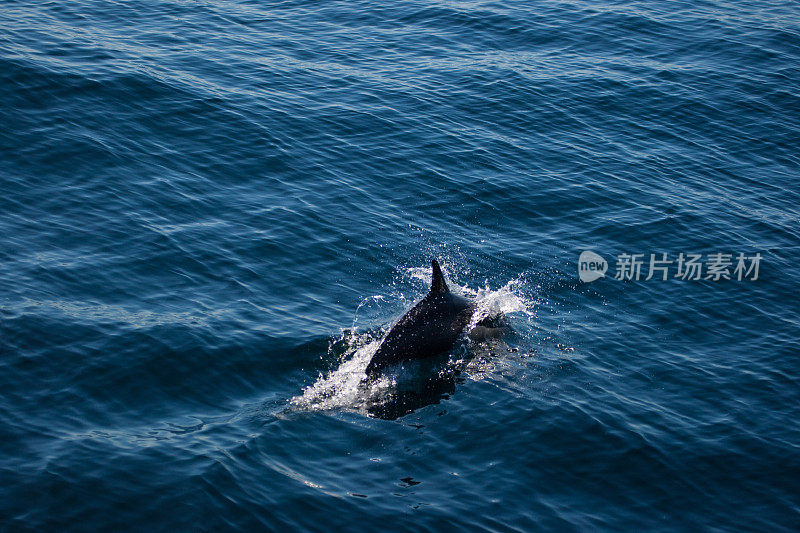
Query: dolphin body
(429, 328)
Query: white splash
(346, 386)
(507, 300)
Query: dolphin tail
(438, 284)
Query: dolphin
(431, 327)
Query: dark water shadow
(433, 381)
(427, 387)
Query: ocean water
(212, 211)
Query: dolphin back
(429, 328)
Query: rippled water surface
(212, 212)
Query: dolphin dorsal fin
(438, 284)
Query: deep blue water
(210, 213)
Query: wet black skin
(429, 328)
